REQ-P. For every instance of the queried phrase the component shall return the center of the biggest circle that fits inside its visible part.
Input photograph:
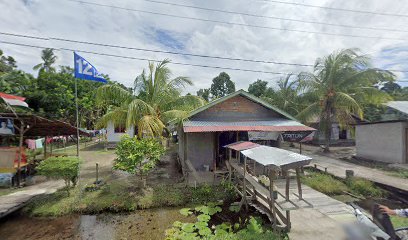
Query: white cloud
(72, 20)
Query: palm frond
(136, 110)
(309, 113)
(151, 126)
(173, 115)
(117, 116)
(112, 95)
(185, 103)
(344, 102)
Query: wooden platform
(323, 221)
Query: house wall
(384, 142)
(235, 109)
(113, 137)
(200, 149)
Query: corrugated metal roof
(401, 106)
(276, 157)
(242, 145)
(220, 126)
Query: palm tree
(338, 87)
(154, 101)
(48, 57)
(286, 97)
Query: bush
(324, 183)
(364, 188)
(138, 156)
(66, 168)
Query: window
(120, 129)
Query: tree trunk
(328, 132)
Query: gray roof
(273, 122)
(401, 106)
(276, 157)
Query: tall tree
(49, 59)
(258, 88)
(286, 96)
(7, 63)
(204, 93)
(222, 85)
(338, 87)
(155, 100)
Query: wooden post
(300, 148)
(272, 201)
(50, 145)
(244, 185)
(45, 150)
(254, 167)
(287, 185)
(229, 165)
(20, 154)
(299, 183)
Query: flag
(13, 100)
(85, 70)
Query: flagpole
(77, 117)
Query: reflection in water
(144, 224)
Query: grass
(324, 183)
(123, 196)
(329, 185)
(400, 173)
(399, 222)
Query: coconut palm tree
(338, 87)
(48, 57)
(286, 96)
(154, 100)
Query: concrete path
(14, 201)
(339, 167)
(324, 221)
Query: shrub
(364, 188)
(324, 183)
(138, 156)
(66, 168)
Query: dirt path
(338, 167)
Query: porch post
(272, 199)
(298, 183)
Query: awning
(272, 156)
(42, 127)
(242, 145)
(275, 125)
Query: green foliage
(324, 183)
(204, 93)
(364, 188)
(399, 222)
(138, 156)
(65, 168)
(340, 85)
(258, 88)
(49, 59)
(154, 100)
(222, 85)
(251, 229)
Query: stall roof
(278, 124)
(241, 145)
(272, 156)
(42, 127)
(401, 106)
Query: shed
(227, 120)
(386, 140)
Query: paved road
(338, 167)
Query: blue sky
(72, 20)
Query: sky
(73, 20)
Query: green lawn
(399, 221)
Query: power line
(336, 9)
(156, 51)
(236, 23)
(273, 17)
(144, 59)
(166, 52)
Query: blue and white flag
(85, 70)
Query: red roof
(247, 128)
(239, 146)
(9, 96)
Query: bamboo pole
(272, 201)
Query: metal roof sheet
(262, 125)
(242, 145)
(401, 106)
(276, 157)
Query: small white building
(114, 133)
(387, 140)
